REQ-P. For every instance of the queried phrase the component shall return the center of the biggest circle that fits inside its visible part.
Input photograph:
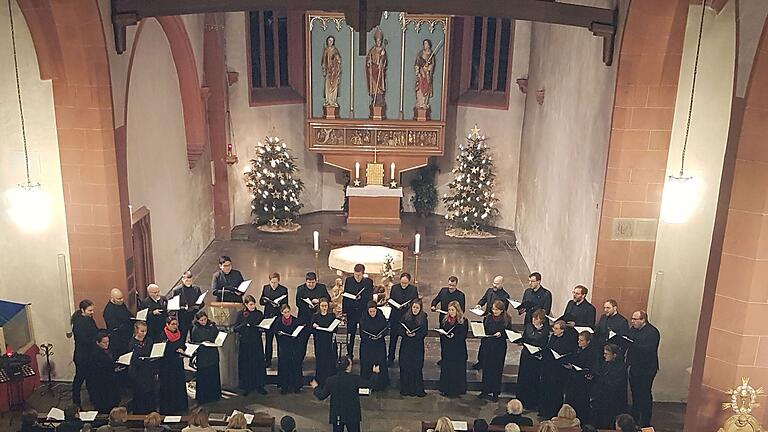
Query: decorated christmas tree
(471, 202)
(274, 186)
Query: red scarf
(451, 320)
(172, 336)
(286, 321)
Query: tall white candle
(316, 240)
(417, 248)
(392, 171)
(357, 170)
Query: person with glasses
(643, 362)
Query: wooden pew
(137, 421)
(425, 426)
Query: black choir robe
(173, 384)
(411, 358)
(608, 396)
(403, 296)
(553, 375)
(102, 384)
(117, 318)
(325, 354)
(445, 297)
(577, 385)
(345, 398)
(453, 358)
(583, 314)
(142, 374)
(252, 371)
(539, 299)
(303, 292)
(208, 385)
(188, 296)
(155, 323)
(289, 365)
(494, 351)
(529, 374)
(373, 348)
(356, 308)
(616, 323)
(268, 295)
(224, 286)
(491, 295)
(84, 329)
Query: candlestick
(316, 240)
(357, 170)
(417, 247)
(392, 171)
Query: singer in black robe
(453, 352)
(411, 358)
(269, 294)
(361, 290)
(373, 347)
(535, 334)
(155, 320)
(252, 371)
(608, 396)
(102, 384)
(325, 354)
(577, 385)
(309, 292)
(188, 295)
(225, 282)
(208, 384)
(117, 318)
(553, 375)
(84, 330)
(404, 294)
(142, 371)
(173, 385)
(494, 349)
(289, 365)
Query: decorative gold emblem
(743, 400)
(374, 174)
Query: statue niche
(376, 75)
(330, 63)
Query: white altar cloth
(374, 191)
(372, 257)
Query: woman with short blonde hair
(548, 426)
(566, 417)
(444, 424)
(237, 423)
(198, 421)
(511, 427)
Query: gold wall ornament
(324, 19)
(743, 400)
(374, 174)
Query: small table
(374, 205)
(372, 257)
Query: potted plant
(424, 197)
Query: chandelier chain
(18, 94)
(693, 87)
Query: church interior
(607, 144)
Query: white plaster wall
(179, 199)
(563, 155)
(752, 15)
(324, 184)
(682, 250)
(503, 131)
(26, 254)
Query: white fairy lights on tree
(273, 184)
(471, 203)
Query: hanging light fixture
(231, 157)
(679, 191)
(28, 205)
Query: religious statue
(376, 69)
(425, 69)
(330, 63)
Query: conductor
(343, 388)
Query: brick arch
(71, 49)
(193, 107)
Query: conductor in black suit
(343, 388)
(226, 281)
(643, 362)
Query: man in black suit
(612, 325)
(579, 312)
(358, 291)
(447, 295)
(643, 362)
(226, 281)
(514, 415)
(117, 317)
(343, 388)
(535, 297)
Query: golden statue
(743, 399)
(330, 63)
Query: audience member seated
(237, 423)
(547, 426)
(513, 415)
(287, 424)
(198, 421)
(29, 422)
(71, 423)
(153, 422)
(117, 421)
(511, 427)
(444, 424)
(566, 417)
(480, 425)
(625, 423)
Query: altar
(374, 204)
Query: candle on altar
(316, 240)
(417, 247)
(392, 171)
(357, 170)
